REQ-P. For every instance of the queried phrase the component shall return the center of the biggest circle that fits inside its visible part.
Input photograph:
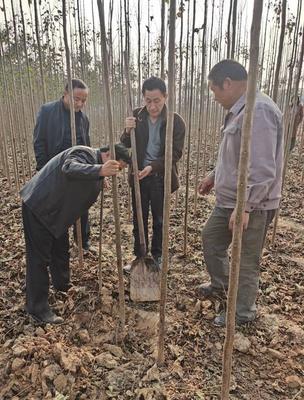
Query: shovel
(144, 275)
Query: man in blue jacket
(52, 134)
(51, 202)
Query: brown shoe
(206, 291)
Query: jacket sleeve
(178, 145)
(81, 165)
(40, 140)
(87, 133)
(125, 139)
(262, 172)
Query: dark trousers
(216, 240)
(152, 194)
(85, 229)
(43, 250)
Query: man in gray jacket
(51, 202)
(228, 82)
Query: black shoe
(47, 318)
(220, 320)
(158, 260)
(206, 290)
(86, 245)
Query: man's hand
(145, 172)
(109, 168)
(206, 185)
(130, 123)
(245, 220)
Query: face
(79, 97)
(154, 102)
(222, 94)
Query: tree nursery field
(93, 59)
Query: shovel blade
(144, 282)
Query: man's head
(80, 94)
(228, 82)
(155, 94)
(121, 154)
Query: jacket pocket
(231, 129)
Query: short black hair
(153, 83)
(227, 69)
(121, 152)
(76, 84)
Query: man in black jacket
(52, 134)
(51, 202)
(150, 133)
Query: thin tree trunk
(100, 237)
(229, 29)
(9, 111)
(167, 188)
(189, 133)
(234, 24)
(201, 106)
(32, 108)
(121, 327)
(138, 54)
(23, 124)
(162, 40)
(279, 56)
(241, 192)
(37, 30)
(72, 117)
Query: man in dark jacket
(150, 133)
(51, 202)
(52, 134)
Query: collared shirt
(153, 146)
(67, 137)
(265, 161)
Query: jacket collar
(143, 114)
(238, 105)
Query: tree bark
(106, 79)
(241, 192)
(167, 186)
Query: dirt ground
(81, 359)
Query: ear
(65, 93)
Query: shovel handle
(140, 223)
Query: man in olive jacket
(150, 133)
(51, 202)
(52, 134)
